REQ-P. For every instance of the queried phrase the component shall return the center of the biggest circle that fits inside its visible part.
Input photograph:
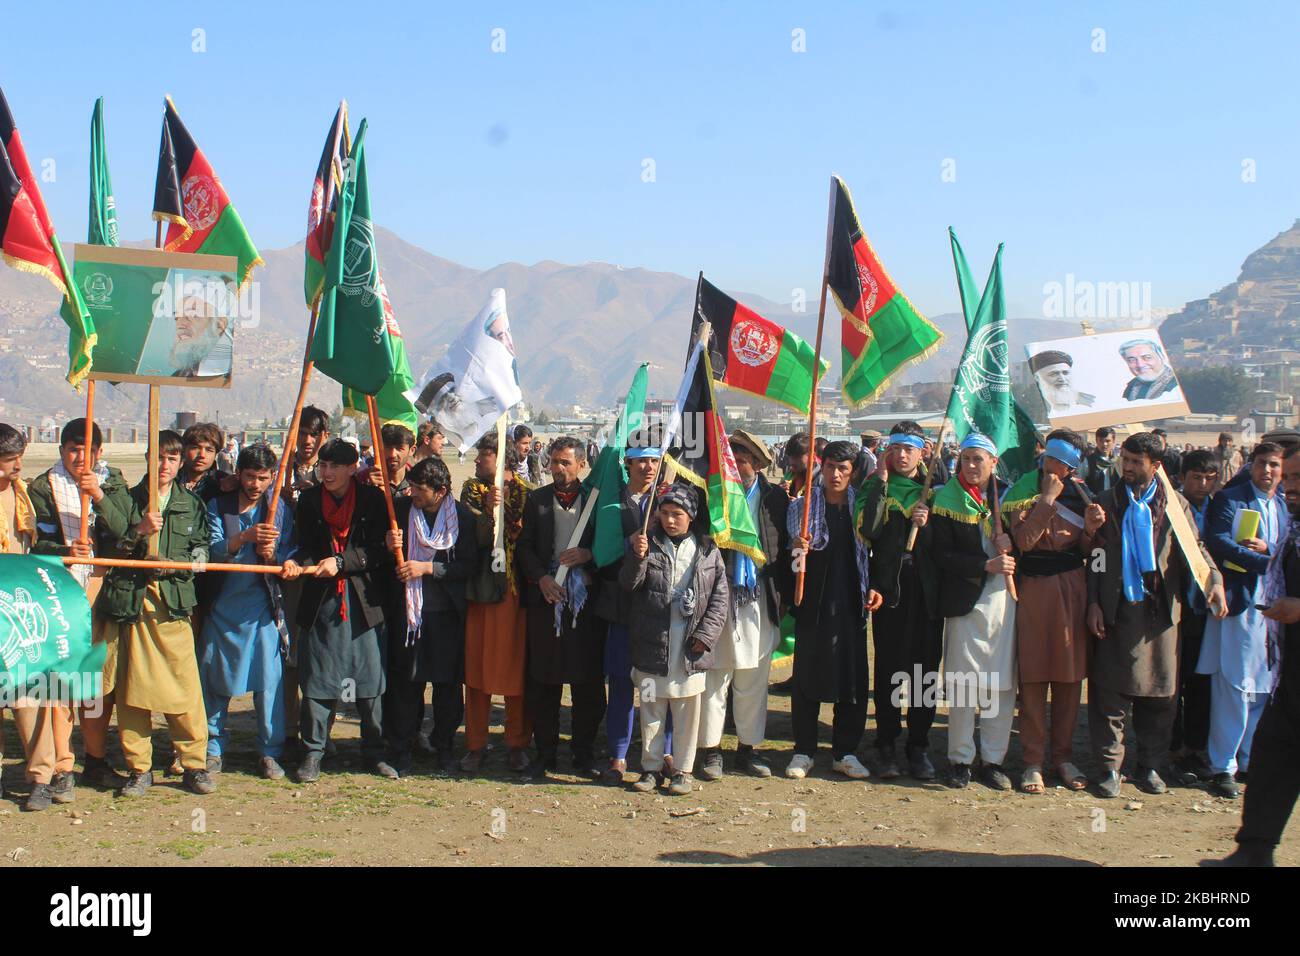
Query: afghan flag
(390, 402)
(102, 230)
(751, 354)
(608, 474)
(190, 198)
(981, 397)
(880, 330)
(28, 243)
(351, 344)
(324, 198)
(706, 461)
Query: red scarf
(567, 498)
(338, 515)
(972, 490)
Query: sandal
(613, 774)
(1071, 776)
(1031, 781)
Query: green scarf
(1023, 493)
(953, 502)
(901, 494)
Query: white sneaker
(798, 768)
(851, 767)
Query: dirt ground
(354, 818)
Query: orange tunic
(495, 649)
(1052, 640)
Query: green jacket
(49, 530)
(185, 536)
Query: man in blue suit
(1236, 650)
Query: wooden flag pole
(372, 412)
(147, 565)
(88, 460)
(498, 512)
(153, 431)
(812, 402)
(997, 530)
(929, 477)
(705, 332)
(291, 436)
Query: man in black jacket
(340, 527)
(566, 638)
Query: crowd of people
(997, 601)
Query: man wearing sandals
(1137, 589)
(1052, 527)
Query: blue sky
(1123, 165)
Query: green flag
(609, 477)
(351, 341)
(102, 230)
(981, 397)
(390, 401)
(45, 632)
(966, 287)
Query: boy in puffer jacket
(678, 610)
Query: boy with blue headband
(1137, 592)
(1052, 526)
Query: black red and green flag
(189, 197)
(351, 342)
(29, 244)
(324, 199)
(752, 354)
(704, 458)
(881, 332)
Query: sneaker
(851, 767)
(137, 784)
(98, 773)
(993, 777)
(1223, 785)
(309, 769)
(1148, 781)
(919, 765)
(711, 768)
(269, 768)
(1108, 786)
(798, 766)
(683, 784)
(648, 781)
(63, 788)
(958, 776)
(214, 763)
(887, 764)
(748, 760)
(199, 781)
(39, 799)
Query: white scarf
(422, 544)
(67, 500)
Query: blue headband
(911, 441)
(1064, 452)
(648, 452)
(981, 441)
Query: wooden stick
(372, 413)
(88, 459)
(576, 537)
(929, 478)
(499, 512)
(146, 565)
(997, 530)
(153, 464)
(812, 403)
(706, 330)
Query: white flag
(476, 380)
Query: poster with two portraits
(161, 318)
(1110, 378)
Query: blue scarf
(575, 596)
(1138, 542)
(744, 573)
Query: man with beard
(566, 638)
(245, 634)
(202, 348)
(1227, 459)
(1275, 757)
(1152, 376)
(1137, 590)
(742, 656)
(830, 664)
(341, 526)
(907, 637)
(1053, 370)
(1099, 473)
(1236, 651)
